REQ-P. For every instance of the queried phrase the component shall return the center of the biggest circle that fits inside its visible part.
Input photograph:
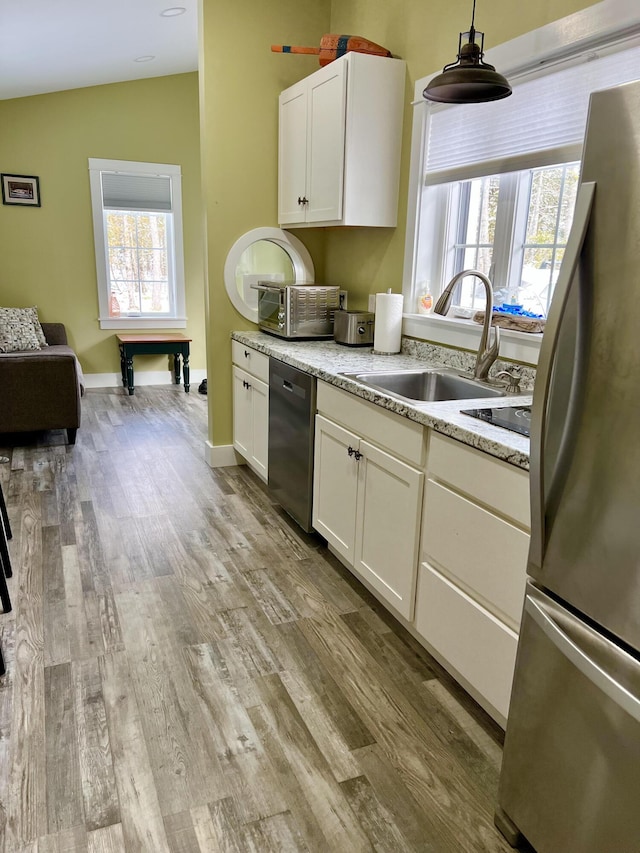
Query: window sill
(465, 334)
(143, 323)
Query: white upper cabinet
(340, 143)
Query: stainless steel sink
(437, 384)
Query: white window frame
(605, 21)
(509, 246)
(177, 319)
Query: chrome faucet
(486, 354)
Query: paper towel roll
(387, 335)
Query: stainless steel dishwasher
(292, 408)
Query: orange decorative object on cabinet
(334, 46)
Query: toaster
(354, 328)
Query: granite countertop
(327, 361)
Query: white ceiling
(50, 45)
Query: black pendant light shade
(468, 80)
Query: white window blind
(542, 123)
(121, 191)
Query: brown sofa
(41, 389)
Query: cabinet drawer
(254, 362)
(491, 481)
(485, 554)
(404, 438)
(478, 647)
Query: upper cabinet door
(292, 165)
(325, 143)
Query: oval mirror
(264, 254)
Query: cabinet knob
(246, 384)
(247, 354)
(355, 453)
(303, 200)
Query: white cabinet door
(242, 413)
(260, 426)
(335, 486)
(251, 420)
(387, 526)
(325, 143)
(292, 157)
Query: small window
(137, 220)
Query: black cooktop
(514, 418)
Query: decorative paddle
(334, 46)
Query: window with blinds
(138, 239)
(542, 123)
(499, 181)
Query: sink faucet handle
(513, 376)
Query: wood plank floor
(188, 672)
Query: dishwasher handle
(296, 390)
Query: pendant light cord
(472, 31)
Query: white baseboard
(141, 377)
(221, 455)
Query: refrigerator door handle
(539, 489)
(582, 662)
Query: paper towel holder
(379, 324)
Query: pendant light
(468, 80)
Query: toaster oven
(297, 310)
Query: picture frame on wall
(20, 189)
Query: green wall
(425, 34)
(47, 254)
(240, 82)
(227, 148)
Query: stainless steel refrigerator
(570, 778)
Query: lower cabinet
(446, 550)
(367, 503)
(388, 525)
(472, 572)
(251, 420)
(335, 486)
(470, 641)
